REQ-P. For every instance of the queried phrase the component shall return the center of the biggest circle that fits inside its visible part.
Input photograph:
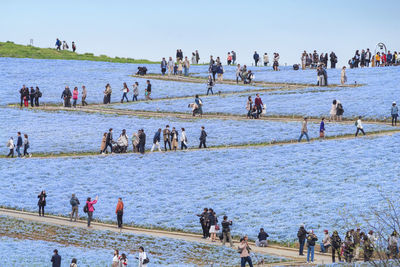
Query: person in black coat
(66, 95)
(301, 235)
(32, 96)
(42, 202)
(142, 141)
(203, 137)
(56, 259)
(109, 141)
(333, 59)
(22, 92)
(38, 95)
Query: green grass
(10, 49)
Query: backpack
(73, 202)
(86, 208)
(127, 90)
(40, 94)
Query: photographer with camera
(226, 231)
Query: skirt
(212, 229)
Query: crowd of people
(314, 60)
(31, 96)
(365, 58)
(64, 45)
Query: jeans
(210, 89)
(202, 143)
(124, 95)
(243, 261)
(163, 70)
(41, 210)
(119, 218)
(301, 136)
(394, 119)
(19, 153)
(154, 146)
(108, 145)
(334, 252)
(141, 148)
(183, 145)
(259, 110)
(134, 98)
(301, 241)
(359, 129)
(205, 230)
(74, 211)
(32, 101)
(84, 103)
(89, 217)
(323, 248)
(11, 153)
(165, 144)
(74, 103)
(310, 251)
(26, 150)
(186, 71)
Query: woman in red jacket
(119, 211)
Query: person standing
(122, 260)
(326, 242)
(333, 59)
(156, 140)
(74, 201)
(84, 95)
(357, 243)
(120, 212)
(199, 104)
(109, 141)
(107, 94)
(262, 238)
(115, 260)
(301, 235)
(148, 90)
(304, 130)
(368, 248)
(135, 142)
(210, 85)
(359, 126)
(256, 58)
(220, 72)
(167, 137)
(213, 220)
(135, 91)
(197, 57)
(56, 259)
(320, 75)
(203, 221)
(339, 110)
(103, 143)
(163, 66)
(32, 97)
(42, 202)
(22, 94)
(229, 59)
(332, 113)
(10, 145)
(186, 66)
(193, 59)
(394, 111)
(244, 249)
(73, 46)
(142, 141)
(19, 144)
(203, 137)
(311, 239)
(249, 107)
(125, 91)
(233, 57)
(75, 94)
(336, 243)
(183, 139)
(26, 146)
(66, 95)
(322, 128)
(171, 65)
(174, 138)
(259, 105)
(143, 259)
(73, 263)
(226, 231)
(343, 77)
(90, 209)
(367, 57)
(266, 59)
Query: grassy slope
(9, 49)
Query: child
(26, 102)
(176, 69)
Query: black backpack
(86, 208)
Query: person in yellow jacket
(377, 59)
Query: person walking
(336, 243)
(322, 128)
(66, 95)
(148, 90)
(249, 107)
(84, 95)
(90, 209)
(183, 139)
(103, 143)
(171, 65)
(174, 138)
(107, 94)
(311, 239)
(56, 259)
(394, 111)
(135, 91)
(109, 141)
(167, 137)
(256, 58)
(210, 85)
(244, 250)
(26, 146)
(226, 231)
(120, 212)
(163, 66)
(75, 94)
(304, 130)
(10, 146)
(259, 105)
(204, 221)
(326, 242)
(203, 137)
(238, 73)
(220, 72)
(58, 44)
(359, 126)
(186, 66)
(301, 235)
(74, 201)
(156, 140)
(115, 260)
(143, 259)
(135, 142)
(42, 202)
(199, 104)
(262, 238)
(142, 141)
(19, 144)
(125, 91)
(343, 77)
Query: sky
(155, 29)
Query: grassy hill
(9, 49)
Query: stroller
(141, 71)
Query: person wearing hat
(326, 242)
(394, 111)
(304, 130)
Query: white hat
(394, 103)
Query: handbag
(216, 227)
(146, 260)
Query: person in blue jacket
(322, 128)
(256, 58)
(156, 140)
(19, 144)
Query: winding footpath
(288, 253)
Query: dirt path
(288, 253)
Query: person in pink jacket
(75, 94)
(90, 209)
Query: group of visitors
(246, 76)
(389, 59)
(138, 139)
(67, 95)
(380, 59)
(64, 45)
(231, 58)
(256, 108)
(20, 143)
(314, 60)
(31, 95)
(215, 68)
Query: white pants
(154, 145)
